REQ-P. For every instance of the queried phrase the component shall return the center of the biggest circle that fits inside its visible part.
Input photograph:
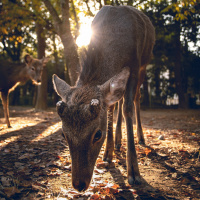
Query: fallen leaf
(95, 197)
(10, 173)
(99, 171)
(133, 191)
(7, 150)
(147, 151)
(102, 165)
(6, 181)
(73, 194)
(10, 191)
(115, 186)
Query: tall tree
(176, 23)
(63, 29)
(15, 21)
(41, 100)
(184, 23)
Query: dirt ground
(35, 161)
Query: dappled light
(99, 100)
(8, 140)
(35, 159)
(50, 130)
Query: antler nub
(94, 102)
(59, 103)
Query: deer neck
(23, 75)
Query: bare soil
(35, 161)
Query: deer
(112, 71)
(11, 74)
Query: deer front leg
(5, 101)
(108, 154)
(132, 164)
(118, 132)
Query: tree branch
(88, 7)
(52, 11)
(64, 4)
(76, 19)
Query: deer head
(35, 68)
(83, 111)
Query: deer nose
(79, 185)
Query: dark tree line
(174, 68)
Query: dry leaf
(147, 151)
(9, 191)
(95, 197)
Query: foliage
(172, 19)
(15, 29)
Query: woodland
(51, 28)
(35, 160)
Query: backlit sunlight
(85, 35)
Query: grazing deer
(114, 67)
(11, 74)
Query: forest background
(51, 28)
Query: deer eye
(60, 107)
(97, 136)
(33, 68)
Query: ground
(35, 161)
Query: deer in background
(11, 74)
(114, 68)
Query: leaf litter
(35, 162)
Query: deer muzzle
(81, 179)
(82, 170)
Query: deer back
(121, 36)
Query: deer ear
(60, 86)
(28, 59)
(113, 90)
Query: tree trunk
(41, 99)
(157, 82)
(62, 27)
(70, 47)
(72, 60)
(57, 71)
(177, 69)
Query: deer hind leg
(137, 106)
(108, 154)
(5, 101)
(132, 164)
(118, 132)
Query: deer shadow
(144, 191)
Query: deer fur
(11, 74)
(114, 68)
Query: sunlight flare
(85, 35)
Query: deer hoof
(134, 181)
(107, 160)
(117, 147)
(141, 142)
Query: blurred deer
(11, 74)
(114, 68)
